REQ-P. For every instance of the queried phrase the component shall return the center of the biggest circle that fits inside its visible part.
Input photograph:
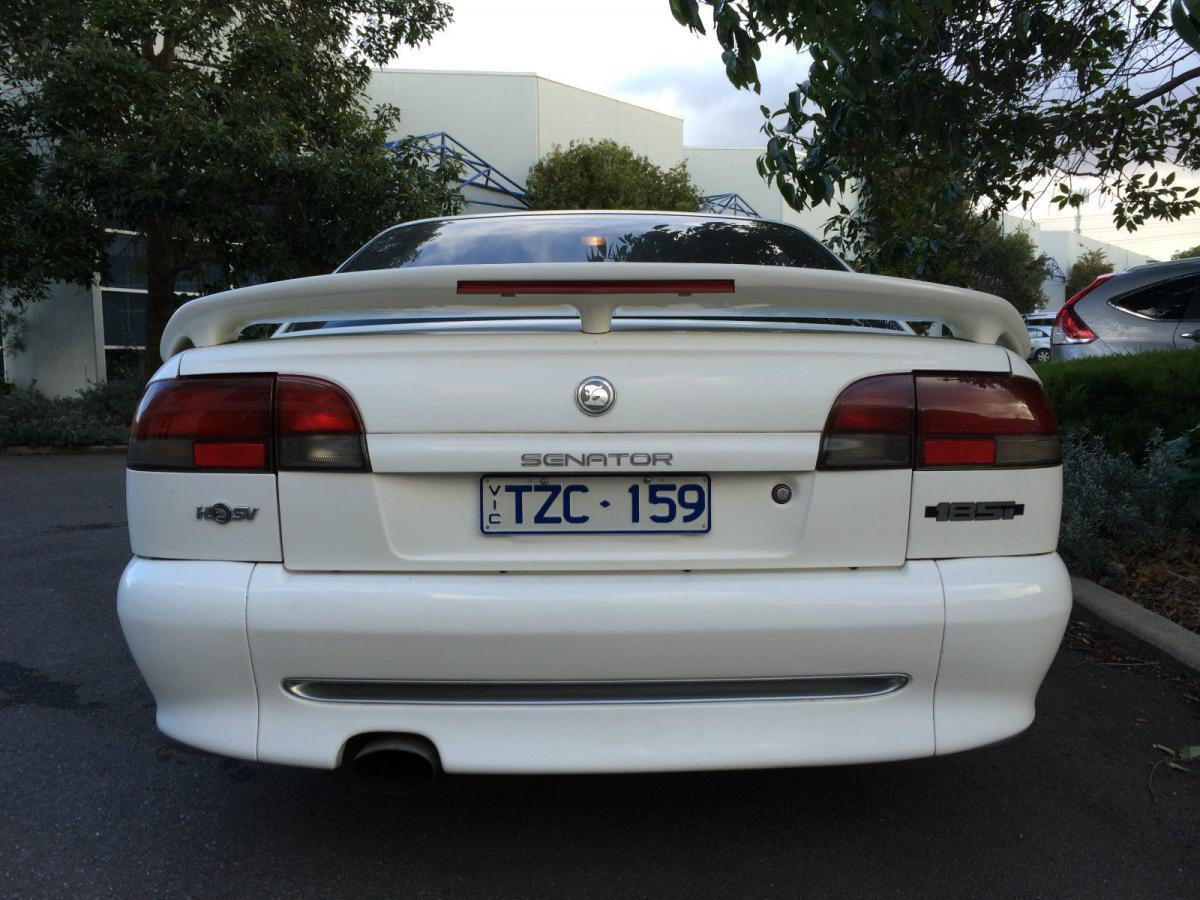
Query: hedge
(96, 415)
(1124, 399)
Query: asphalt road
(93, 802)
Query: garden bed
(1165, 579)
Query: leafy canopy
(984, 258)
(989, 98)
(232, 135)
(1187, 253)
(959, 246)
(1090, 265)
(607, 175)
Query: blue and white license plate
(595, 504)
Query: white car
(593, 492)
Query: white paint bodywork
(666, 382)
(385, 575)
(975, 636)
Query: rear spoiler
(595, 291)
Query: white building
(1064, 248)
(500, 123)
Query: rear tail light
(317, 426)
(871, 425)
(984, 420)
(247, 423)
(1069, 328)
(941, 420)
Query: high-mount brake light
(1069, 328)
(941, 421)
(246, 423)
(600, 286)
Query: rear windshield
(592, 238)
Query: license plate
(595, 504)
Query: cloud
(631, 49)
(715, 113)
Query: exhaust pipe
(406, 761)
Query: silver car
(1039, 343)
(1150, 307)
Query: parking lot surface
(93, 802)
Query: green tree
(1188, 253)
(959, 246)
(981, 257)
(607, 175)
(233, 137)
(990, 99)
(1090, 265)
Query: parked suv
(1151, 307)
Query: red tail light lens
(246, 423)
(317, 425)
(953, 420)
(1069, 328)
(870, 425)
(210, 422)
(984, 420)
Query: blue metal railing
(729, 203)
(477, 172)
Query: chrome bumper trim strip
(682, 690)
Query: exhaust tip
(408, 762)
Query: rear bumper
(516, 673)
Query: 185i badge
(223, 513)
(975, 511)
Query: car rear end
(1154, 307)
(769, 547)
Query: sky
(635, 50)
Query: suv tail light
(940, 421)
(1069, 328)
(247, 423)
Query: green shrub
(1124, 399)
(1113, 502)
(99, 414)
(607, 175)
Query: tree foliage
(607, 175)
(1090, 265)
(959, 246)
(229, 135)
(1185, 16)
(981, 257)
(989, 98)
(1187, 253)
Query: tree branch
(1166, 87)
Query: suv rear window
(1165, 300)
(592, 238)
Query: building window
(123, 303)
